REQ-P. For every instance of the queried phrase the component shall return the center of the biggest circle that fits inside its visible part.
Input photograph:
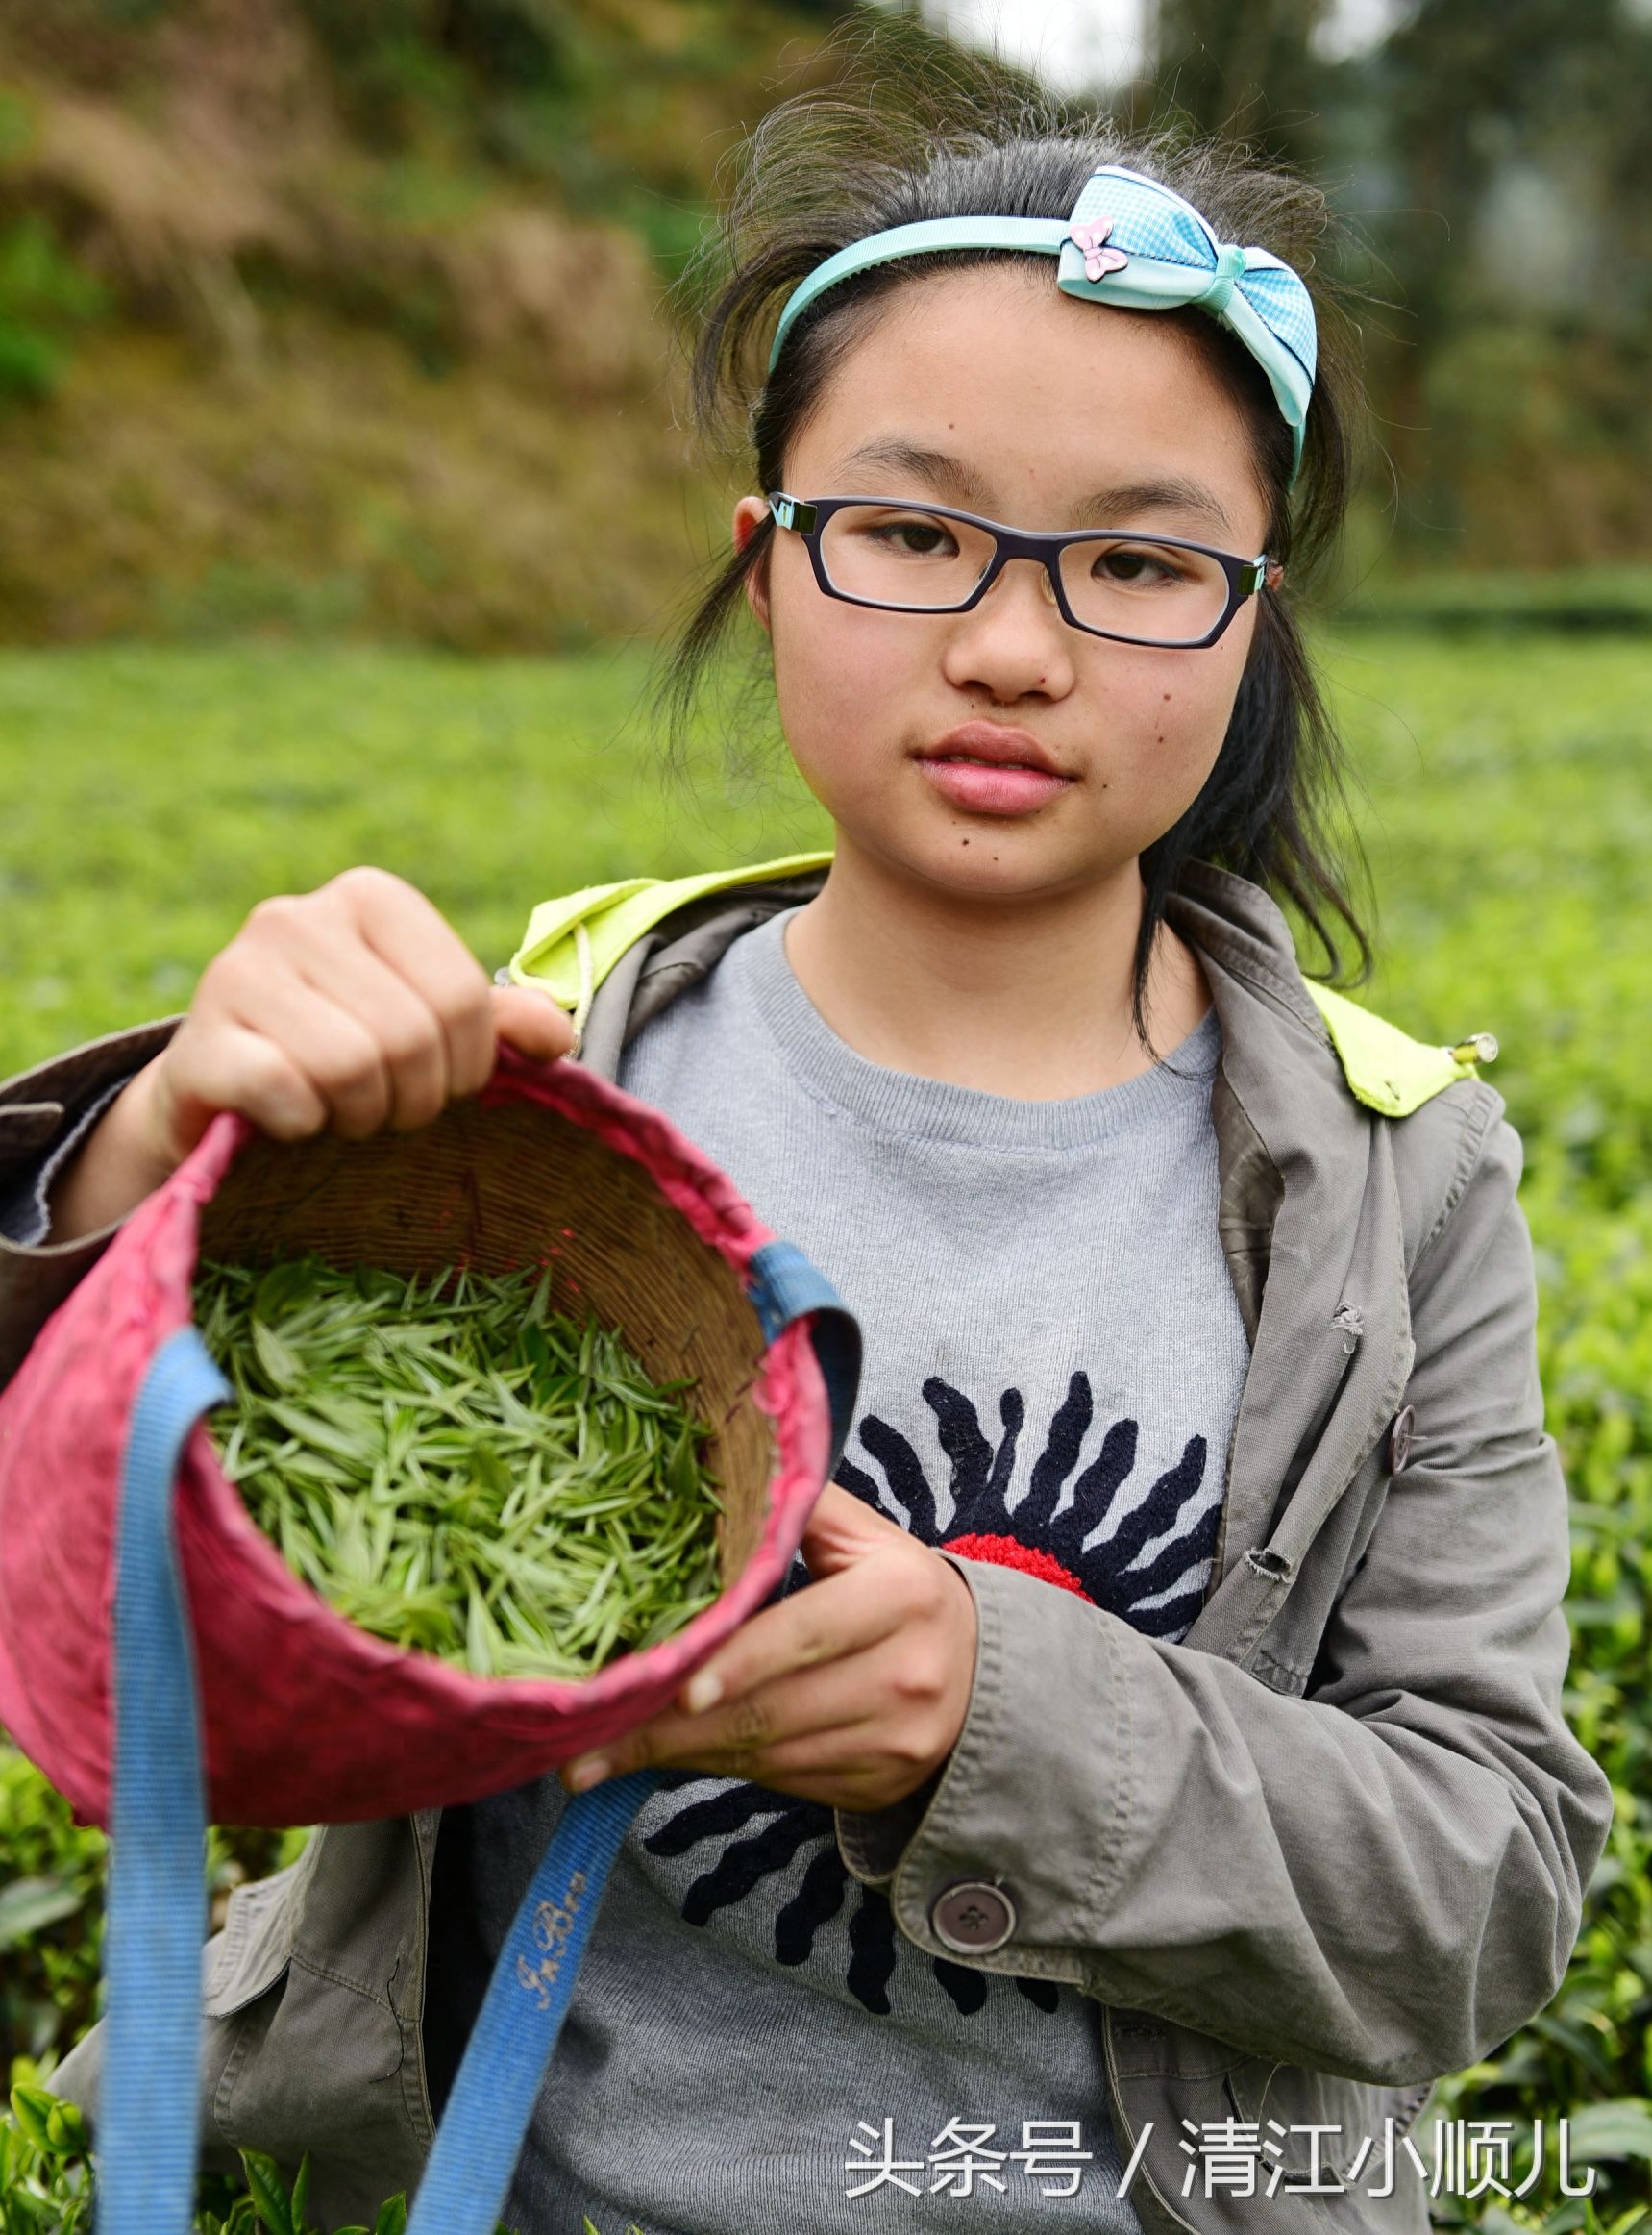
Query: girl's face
(992, 392)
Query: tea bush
(46, 2181)
(1508, 820)
(1506, 807)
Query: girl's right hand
(350, 1009)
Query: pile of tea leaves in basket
(454, 1466)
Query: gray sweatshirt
(1054, 1360)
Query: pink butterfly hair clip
(1098, 261)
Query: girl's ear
(749, 513)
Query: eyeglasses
(1125, 583)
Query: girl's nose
(1015, 639)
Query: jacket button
(1399, 1437)
(972, 1917)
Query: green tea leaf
(280, 1365)
(269, 2192)
(67, 2130)
(280, 1288)
(28, 1906)
(31, 2107)
(301, 2197)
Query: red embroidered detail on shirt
(1009, 1553)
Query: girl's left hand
(848, 1693)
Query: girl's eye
(1132, 566)
(911, 537)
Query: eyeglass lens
(1155, 593)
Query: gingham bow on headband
(1132, 243)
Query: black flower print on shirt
(773, 1829)
(1035, 1537)
(756, 1835)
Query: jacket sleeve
(1381, 1879)
(43, 1115)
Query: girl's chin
(975, 857)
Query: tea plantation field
(1506, 803)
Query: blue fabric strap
(156, 1897)
(784, 1285)
(467, 2178)
(149, 2124)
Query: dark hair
(904, 139)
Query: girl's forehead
(993, 386)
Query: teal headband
(1133, 243)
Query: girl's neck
(1029, 999)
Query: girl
(1158, 1752)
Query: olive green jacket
(1328, 1847)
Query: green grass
(153, 796)
(1577, 600)
(1508, 816)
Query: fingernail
(589, 1772)
(704, 1690)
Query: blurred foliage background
(350, 315)
(1496, 160)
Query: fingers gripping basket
(160, 1661)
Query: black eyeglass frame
(807, 517)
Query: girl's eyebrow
(1113, 508)
(944, 475)
(1110, 507)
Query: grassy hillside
(349, 314)
(333, 318)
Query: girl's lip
(1009, 788)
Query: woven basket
(307, 1719)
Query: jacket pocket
(243, 1973)
(313, 2067)
(1350, 2116)
(255, 1947)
